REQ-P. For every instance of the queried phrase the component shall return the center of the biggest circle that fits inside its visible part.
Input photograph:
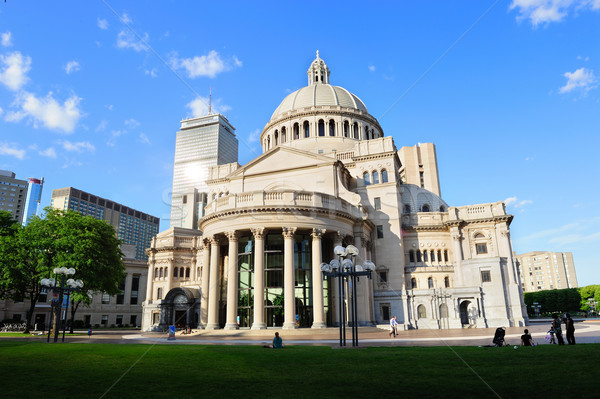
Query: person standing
(570, 327)
(557, 329)
(393, 326)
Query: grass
(32, 369)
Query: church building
(329, 176)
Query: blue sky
(92, 93)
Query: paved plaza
(586, 331)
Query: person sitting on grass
(277, 342)
(526, 339)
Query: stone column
(289, 278)
(317, 280)
(169, 276)
(150, 281)
(458, 254)
(213, 293)
(232, 282)
(259, 279)
(205, 283)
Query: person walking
(557, 329)
(570, 327)
(393, 326)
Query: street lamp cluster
(60, 286)
(344, 267)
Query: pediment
(281, 159)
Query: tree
(60, 239)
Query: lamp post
(344, 267)
(60, 286)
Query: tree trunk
(33, 298)
(74, 306)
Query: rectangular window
(377, 203)
(382, 276)
(411, 257)
(121, 295)
(379, 231)
(104, 319)
(133, 320)
(481, 248)
(119, 319)
(105, 298)
(155, 318)
(135, 286)
(486, 276)
(385, 311)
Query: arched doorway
(464, 312)
(181, 308)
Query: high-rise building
(201, 143)
(132, 226)
(545, 270)
(34, 197)
(12, 195)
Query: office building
(13, 193)
(545, 270)
(132, 226)
(34, 198)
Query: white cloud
(72, 66)
(151, 72)
(131, 123)
(199, 106)
(125, 18)
(144, 139)
(12, 150)
(6, 39)
(101, 126)
(49, 152)
(47, 111)
(582, 78)
(237, 62)
(206, 65)
(547, 11)
(254, 136)
(78, 147)
(109, 107)
(1, 111)
(127, 40)
(372, 68)
(515, 203)
(102, 24)
(587, 58)
(14, 70)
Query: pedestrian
(557, 329)
(277, 341)
(393, 326)
(90, 332)
(570, 327)
(526, 339)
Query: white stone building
(329, 176)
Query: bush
(551, 301)
(78, 324)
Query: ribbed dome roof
(318, 95)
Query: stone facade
(328, 176)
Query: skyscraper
(546, 270)
(34, 197)
(12, 194)
(132, 226)
(201, 143)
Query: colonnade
(210, 285)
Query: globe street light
(346, 269)
(60, 286)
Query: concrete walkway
(587, 331)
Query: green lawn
(32, 369)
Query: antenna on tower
(210, 100)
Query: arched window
(384, 177)
(418, 256)
(296, 131)
(447, 282)
(346, 129)
(413, 283)
(331, 127)
(283, 135)
(444, 311)
(442, 208)
(425, 208)
(276, 137)
(479, 235)
(356, 132)
(174, 272)
(432, 255)
(321, 127)
(366, 132)
(159, 293)
(161, 272)
(181, 272)
(375, 177)
(411, 256)
(367, 178)
(439, 258)
(425, 257)
(445, 255)
(306, 129)
(269, 143)
(187, 272)
(421, 312)
(430, 282)
(156, 273)
(406, 208)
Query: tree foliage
(587, 292)
(59, 239)
(551, 301)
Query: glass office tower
(34, 197)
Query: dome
(319, 95)
(417, 198)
